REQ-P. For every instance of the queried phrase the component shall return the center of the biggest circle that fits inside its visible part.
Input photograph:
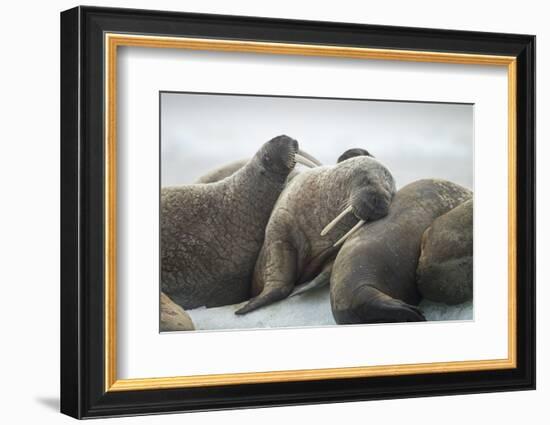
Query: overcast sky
(200, 132)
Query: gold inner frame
(113, 41)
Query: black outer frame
(82, 206)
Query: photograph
(262, 211)
(285, 211)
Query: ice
(309, 309)
(440, 311)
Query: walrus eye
(266, 158)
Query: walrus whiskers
(334, 222)
(347, 235)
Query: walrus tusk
(305, 161)
(334, 222)
(310, 157)
(351, 232)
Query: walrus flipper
(265, 298)
(322, 279)
(280, 269)
(370, 305)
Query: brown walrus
(352, 153)
(373, 278)
(226, 170)
(222, 172)
(294, 251)
(445, 268)
(211, 233)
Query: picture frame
(90, 40)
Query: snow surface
(309, 309)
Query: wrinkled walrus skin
(294, 251)
(229, 169)
(445, 268)
(222, 172)
(373, 278)
(211, 233)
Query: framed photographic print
(261, 212)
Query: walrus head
(372, 191)
(280, 155)
(352, 153)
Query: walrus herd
(374, 275)
(259, 230)
(294, 250)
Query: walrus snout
(371, 203)
(367, 204)
(370, 197)
(280, 155)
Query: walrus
(352, 153)
(323, 278)
(226, 170)
(445, 268)
(294, 251)
(373, 278)
(211, 233)
(222, 172)
(173, 317)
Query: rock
(173, 317)
(222, 172)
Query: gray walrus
(373, 278)
(293, 251)
(222, 172)
(226, 170)
(352, 153)
(211, 233)
(445, 268)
